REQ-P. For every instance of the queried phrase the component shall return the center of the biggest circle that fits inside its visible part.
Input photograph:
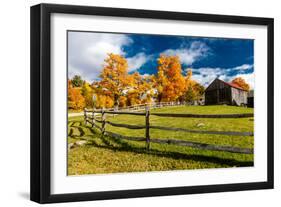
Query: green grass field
(111, 155)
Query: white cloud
(194, 52)
(206, 75)
(243, 67)
(137, 61)
(87, 52)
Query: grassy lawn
(111, 155)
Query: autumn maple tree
(114, 76)
(170, 82)
(241, 82)
(140, 89)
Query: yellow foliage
(123, 101)
(75, 100)
(170, 82)
(87, 93)
(115, 76)
(117, 87)
(104, 101)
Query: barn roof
(233, 85)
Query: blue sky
(207, 57)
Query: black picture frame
(41, 99)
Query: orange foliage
(117, 87)
(69, 84)
(170, 82)
(242, 83)
(140, 90)
(123, 101)
(115, 76)
(75, 100)
(104, 101)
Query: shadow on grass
(126, 147)
(81, 131)
(80, 128)
(116, 144)
(108, 143)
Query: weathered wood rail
(139, 107)
(93, 118)
(225, 116)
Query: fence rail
(92, 119)
(139, 107)
(203, 131)
(204, 115)
(128, 126)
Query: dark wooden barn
(221, 92)
(250, 100)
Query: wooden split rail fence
(90, 116)
(141, 107)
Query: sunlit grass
(109, 155)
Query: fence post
(103, 121)
(147, 113)
(93, 117)
(115, 109)
(85, 116)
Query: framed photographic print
(133, 103)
